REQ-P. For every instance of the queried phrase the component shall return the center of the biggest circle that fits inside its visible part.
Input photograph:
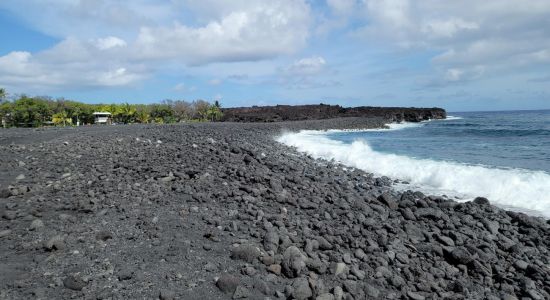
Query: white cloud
(70, 63)
(307, 73)
(258, 31)
(447, 28)
(495, 36)
(240, 31)
(117, 77)
(117, 43)
(182, 87)
(342, 7)
(16, 62)
(110, 42)
(91, 18)
(307, 66)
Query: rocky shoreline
(281, 113)
(223, 211)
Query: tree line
(25, 111)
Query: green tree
(201, 109)
(214, 112)
(84, 113)
(142, 114)
(126, 113)
(62, 118)
(35, 111)
(3, 94)
(31, 112)
(162, 112)
(6, 109)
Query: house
(102, 118)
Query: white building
(102, 118)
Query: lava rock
(36, 225)
(227, 283)
(460, 255)
(271, 241)
(247, 253)
(388, 200)
(55, 243)
(294, 262)
(74, 283)
(103, 235)
(481, 201)
(241, 292)
(301, 289)
(167, 294)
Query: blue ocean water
(509, 139)
(504, 156)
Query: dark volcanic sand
(140, 212)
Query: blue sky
(459, 55)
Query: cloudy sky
(460, 55)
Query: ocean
(503, 156)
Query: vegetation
(27, 111)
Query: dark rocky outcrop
(319, 112)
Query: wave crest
(525, 189)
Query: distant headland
(322, 111)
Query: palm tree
(61, 117)
(214, 112)
(128, 112)
(142, 115)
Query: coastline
(304, 228)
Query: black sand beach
(223, 211)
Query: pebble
(167, 294)
(55, 243)
(520, 264)
(210, 267)
(9, 215)
(338, 293)
(294, 262)
(325, 296)
(247, 253)
(301, 289)
(36, 224)
(415, 296)
(125, 274)
(445, 240)
(5, 233)
(74, 282)
(371, 291)
(340, 268)
(227, 283)
(103, 235)
(271, 241)
(241, 292)
(275, 269)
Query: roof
(101, 113)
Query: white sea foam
(450, 118)
(512, 188)
(390, 126)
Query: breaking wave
(519, 189)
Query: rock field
(223, 211)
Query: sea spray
(516, 188)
